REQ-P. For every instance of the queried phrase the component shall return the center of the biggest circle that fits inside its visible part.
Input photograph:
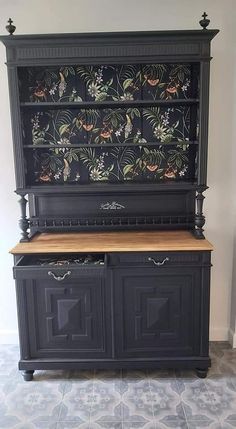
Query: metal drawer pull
(59, 278)
(157, 262)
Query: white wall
(51, 16)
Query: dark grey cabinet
(102, 121)
(130, 310)
(110, 133)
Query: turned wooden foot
(28, 375)
(201, 373)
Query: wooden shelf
(105, 187)
(112, 242)
(84, 145)
(109, 103)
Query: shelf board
(190, 185)
(84, 145)
(110, 103)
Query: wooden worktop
(112, 242)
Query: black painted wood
(192, 47)
(28, 375)
(24, 222)
(160, 312)
(141, 310)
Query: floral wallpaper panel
(118, 164)
(125, 82)
(103, 126)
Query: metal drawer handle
(59, 278)
(157, 262)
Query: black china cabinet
(110, 134)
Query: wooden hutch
(110, 134)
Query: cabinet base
(200, 365)
(28, 375)
(201, 373)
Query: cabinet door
(68, 319)
(157, 312)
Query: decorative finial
(204, 22)
(10, 28)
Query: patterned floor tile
(104, 401)
(43, 425)
(223, 398)
(174, 418)
(197, 403)
(81, 375)
(161, 374)
(129, 379)
(27, 425)
(106, 425)
(149, 399)
(139, 399)
(228, 424)
(149, 425)
(112, 379)
(218, 348)
(77, 400)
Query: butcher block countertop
(122, 241)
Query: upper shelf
(96, 104)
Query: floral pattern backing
(126, 82)
(113, 126)
(112, 164)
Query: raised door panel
(68, 320)
(158, 312)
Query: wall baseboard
(9, 337)
(219, 334)
(232, 338)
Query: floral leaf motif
(86, 72)
(152, 114)
(177, 157)
(63, 117)
(153, 71)
(180, 71)
(101, 96)
(128, 72)
(127, 169)
(127, 83)
(63, 129)
(133, 111)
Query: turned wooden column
(199, 217)
(23, 222)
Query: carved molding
(111, 206)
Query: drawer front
(159, 259)
(60, 268)
(57, 274)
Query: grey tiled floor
(119, 399)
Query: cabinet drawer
(159, 259)
(60, 267)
